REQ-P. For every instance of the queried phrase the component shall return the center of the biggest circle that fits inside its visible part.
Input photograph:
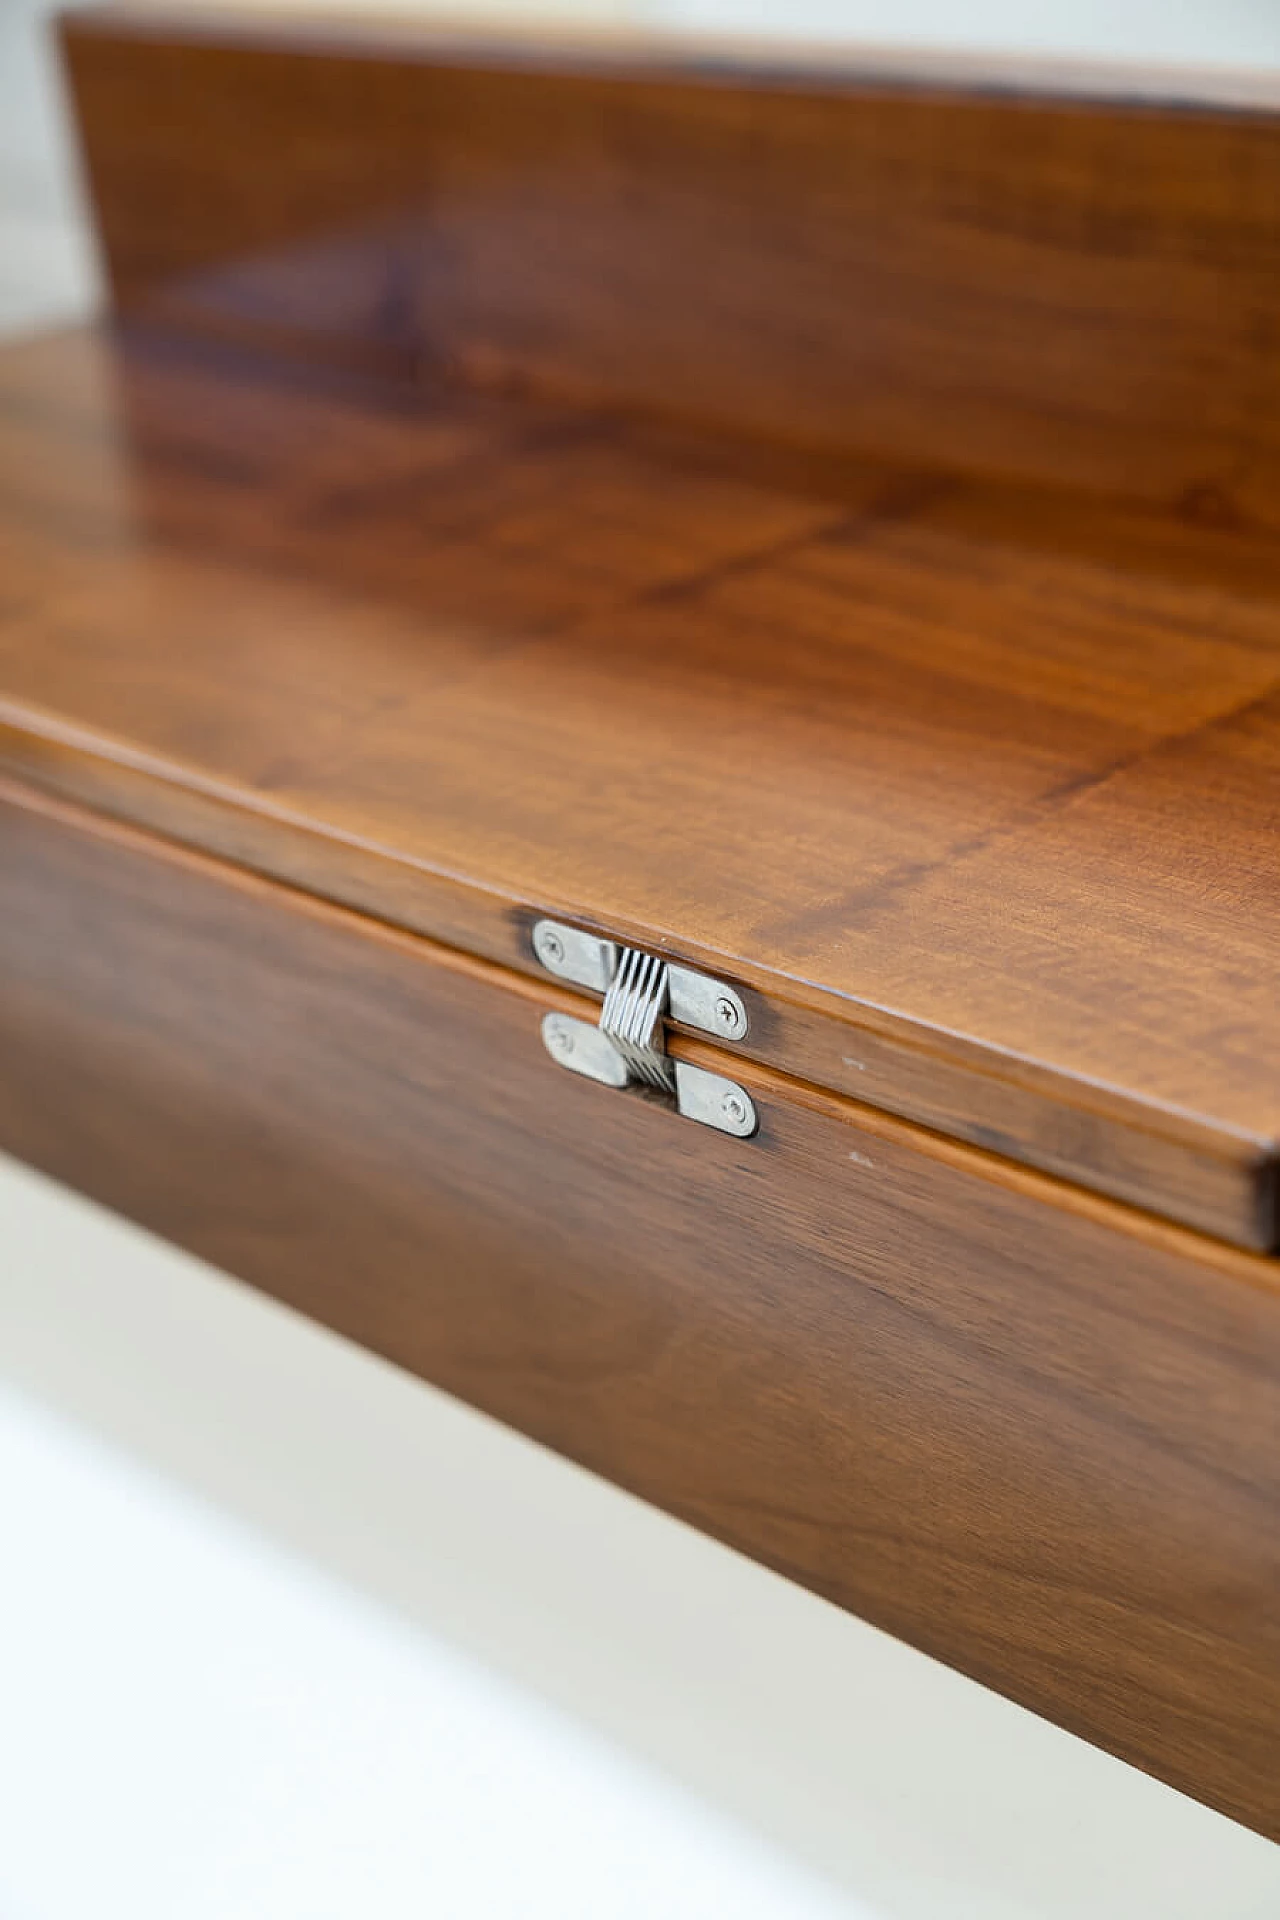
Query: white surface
(286, 1633)
(195, 1725)
(1226, 32)
(1230, 32)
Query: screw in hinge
(548, 946)
(728, 1017)
(559, 1036)
(734, 1109)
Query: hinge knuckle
(632, 1016)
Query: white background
(286, 1634)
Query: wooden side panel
(1033, 1433)
(1083, 292)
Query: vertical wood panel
(1032, 1434)
(1073, 290)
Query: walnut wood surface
(1032, 1432)
(956, 272)
(823, 528)
(973, 791)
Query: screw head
(728, 1018)
(734, 1109)
(550, 946)
(561, 1039)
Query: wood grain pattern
(973, 791)
(821, 527)
(1031, 1432)
(955, 274)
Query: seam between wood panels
(1230, 1261)
(255, 806)
(971, 1058)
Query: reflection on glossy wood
(966, 272)
(974, 791)
(1032, 1433)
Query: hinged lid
(964, 788)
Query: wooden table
(818, 530)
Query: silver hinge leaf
(693, 999)
(628, 1045)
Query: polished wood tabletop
(976, 788)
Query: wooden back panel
(951, 274)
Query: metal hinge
(628, 1045)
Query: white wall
(1231, 32)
